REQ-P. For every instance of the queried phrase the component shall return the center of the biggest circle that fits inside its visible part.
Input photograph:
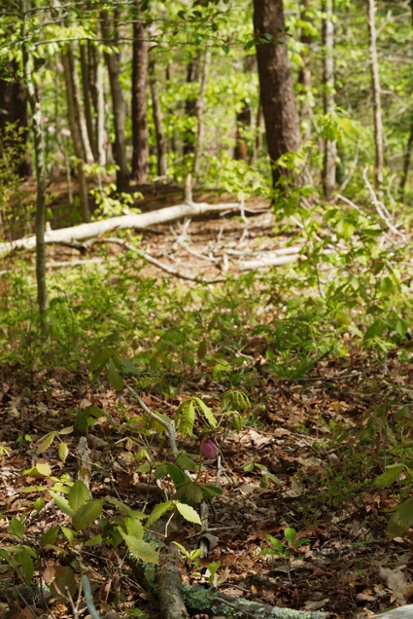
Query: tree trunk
(374, 68)
(157, 118)
(243, 120)
(78, 143)
(199, 112)
(304, 75)
(140, 156)
(118, 105)
(98, 98)
(282, 123)
(329, 164)
(87, 98)
(192, 76)
(34, 102)
(409, 147)
(13, 110)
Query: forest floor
(319, 435)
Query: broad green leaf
(185, 462)
(140, 549)
(115, 379)
(275, 543)
(94, 541)
(133, 527)
(290, 534)
(159, 511)
(16, 527)
(49, 537)
(78, 495)
(87, 514)
(46, 442)
(186, 418)
(208, 414)
(26, 563)
(62, 504)
(390, 475)
(188, 513)
(67, 430)
(167, 468)
(125, 509)
(63, 451)
(401, 520)
(69, 534)
(39, 504)
(190, 491)
(99, 359)
(126, 365)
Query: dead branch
(270, 259)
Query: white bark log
(99, 228)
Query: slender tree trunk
(78, 144)
(199, 112)
(157, 118)
(87, 99)
(243, 120)
(118, 105)
(409, 147)
(329, 164)
(140, 156)
(374, 68)
(192, 76)
(304, 75)
(98, 98)
(282, 123)
(34, 102)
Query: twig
(380, 207)
(88, 597)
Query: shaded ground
(323, 437)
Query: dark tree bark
(192, 75)
(118, 104)
(140, 156)
(157, 118)
(13, 110)
(276, 89)
(87, 80)
(243, 120)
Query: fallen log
(124, 222)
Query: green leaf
(140, 549)
(208, 414)
(63, 451)
(87, 514)
(275, 543)
(290, 535)
(185, 462)
(401, 520)
(62, 504)
(26, 563)
(94, 541)
(69, 534)
(186, 416)
(178, 476)
(390, 475)
(126, 365)
(159, 511)
(49, 537)
(78, 495)
(188, 513)
(16, 527)
(46, 442)
(190, 491)
(133, 527)
(125, 509)
(115, 379)
(99, 359)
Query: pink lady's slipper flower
(209, 449)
